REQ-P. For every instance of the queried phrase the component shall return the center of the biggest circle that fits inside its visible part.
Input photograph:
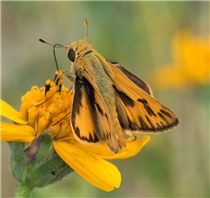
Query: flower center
(48, 108)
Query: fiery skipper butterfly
(109, 101)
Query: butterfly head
(74, 50)
(78, 48)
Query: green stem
(23, 191)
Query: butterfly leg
(61, 118)
(68, 75)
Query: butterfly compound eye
(71, 55)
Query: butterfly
(109, 101)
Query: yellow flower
(190, 62)
(36, 117)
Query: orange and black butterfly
(109, 101)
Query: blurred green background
(138, 35)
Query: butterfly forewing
(139, 82)
(144, 113)
(90, 118)
(81, 117)
(103, 119)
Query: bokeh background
(164, 43)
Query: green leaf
(18, 161)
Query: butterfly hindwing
(143, 112)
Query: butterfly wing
(81, 117)
(90, 118)
(107, 129)
(139, 82)
(143, 113)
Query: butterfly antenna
(54, 46)
(85, 23)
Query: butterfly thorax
(92, 65)
(86, 60)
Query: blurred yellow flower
(190, 62)
(32, 120)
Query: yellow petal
(133, 147)
(95, 170)
(13, 132)
(9, 112)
